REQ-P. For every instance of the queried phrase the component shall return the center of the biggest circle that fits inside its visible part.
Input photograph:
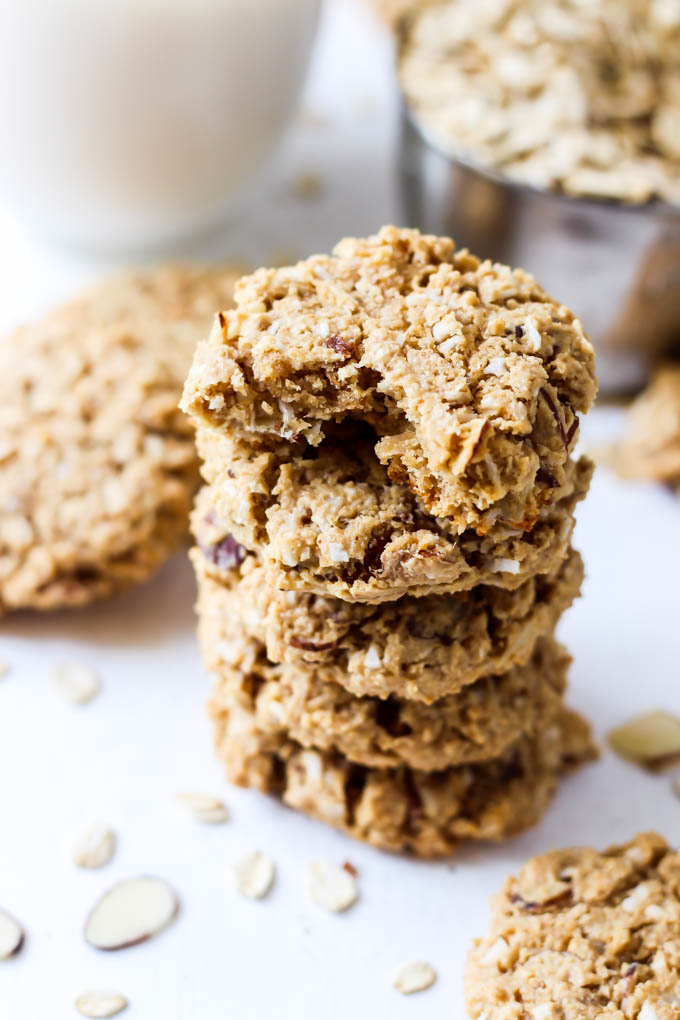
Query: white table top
(122, 758)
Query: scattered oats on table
(415, 976)
(95, 847)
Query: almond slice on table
(254, 875)
(95, 848)
(204, 807)
(651, 740)
(415, 976)
(76, 682)
(131, 912)
(12, 935)
(330, 887)
(100, 1002)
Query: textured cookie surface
(304, 702)
(417, 648)
(468, 375)
(651, 447)
(579, 934)
(425, 813)
(97, 464)
(331, 522)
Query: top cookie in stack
(387, 435)
(435, 394)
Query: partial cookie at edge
(578, 933)
(97, 464)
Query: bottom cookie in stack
(402, 775)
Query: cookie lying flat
(420, 649)
(579, 934)
(478, 723)
(331, 522)
(425, 813)
(469, 374)
(97, 464)
(651, 447)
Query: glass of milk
(127, 124)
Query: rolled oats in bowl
(578, 96)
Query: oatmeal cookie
(334, 524)
(581, 934)
(417, 648)
(425, 813)
(467, 376)
(651, 447)
(477, 723)
(97, 464)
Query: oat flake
(99, 1003)
(204, 807)
(76, 682)
(414, 977)
(254, 875)
(95, 848)
(331, 888)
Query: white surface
(122, 758)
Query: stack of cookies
(383, 546)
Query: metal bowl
(617, 266)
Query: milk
(128, 123)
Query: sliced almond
(100, 1002)
(254, 875)
(415, 976)
(204, 807)
(95, 848)
(652, 740)
(76, 682)
(131, 912)
(330, 887)
(11, 935)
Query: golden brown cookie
(305, 703)
(331, 522)
(416, 648)
(97, 464)
(467, 375)
(425, 813)
(583, 935)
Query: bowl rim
(654, 206)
